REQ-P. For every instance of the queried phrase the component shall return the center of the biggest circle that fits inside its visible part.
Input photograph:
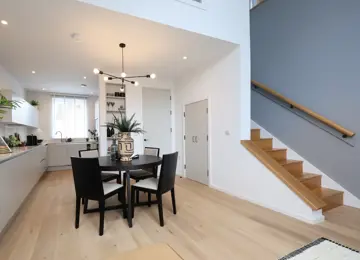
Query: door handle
(145, 140)
(196, 139)
(193, 139)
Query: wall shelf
(116, 111)
(111, 97)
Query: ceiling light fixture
(84, 77)
(123, 77)
(43, 88)
(185, 58)
(33, 72)
(3, 22)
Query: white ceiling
(38, 38)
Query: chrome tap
(60, 135)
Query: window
(69, 117)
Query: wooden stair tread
(284, 162)
(326, 192)
(275, 149)
(306, 176)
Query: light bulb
(136, 83)
(106, 78)
(123, 74)
(184, 58)
(3, 22)
(153, 76)
(96, 71)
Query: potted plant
(126, 126)
(93, 134)
(34, 103)
(6, 104)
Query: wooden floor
(209, 225)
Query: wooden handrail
(286, 177)
(339, 128)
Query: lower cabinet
(17, 178)
(59, 154)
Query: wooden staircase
(330, 198)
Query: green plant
(126, 125)
(34, 103)
(13, 141)
(6, 104)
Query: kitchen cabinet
(26, 114)
(59, 153)
(18, 176)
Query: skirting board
(318, 216)
(58, 168)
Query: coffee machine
(31, 140)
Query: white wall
(327, 182)
(226, 20)
(7, 81)
(45, 112)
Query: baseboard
(14, 216)
(58, 168)
(318, 216)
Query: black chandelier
(123, 77)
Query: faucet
(60, 134)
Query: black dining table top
(143, 161)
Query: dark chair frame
(166, 184)
(152, 173)
(92, 189)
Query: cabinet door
(73, 151)
(57, 155)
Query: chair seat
(110, 172)
(150, 184)
(136, 174)
(110, 187)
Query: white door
(157, 119)
(196, 141)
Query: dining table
(124, 167)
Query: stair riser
(313, 183)
(255, 134)
(278, 155)
(295, 169)
(333, 201)
(265, 144)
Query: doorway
(157, 118)
(196, 141)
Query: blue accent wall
(309, 51)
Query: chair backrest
(92, 153)
(154, 152)
(87, 178)
(168, 172)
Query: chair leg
(102, 215)
(77, 213)
(173, 200)
(132, 201)
(123, 201)
(137, 196)
(149, 199)
(85, 205)
(160, 207)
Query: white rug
(323, 249)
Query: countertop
(18, 151)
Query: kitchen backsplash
(6, 130)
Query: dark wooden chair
(143, 174)
(159, 186)
(89, 185)
(105, 175)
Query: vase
(126, 146)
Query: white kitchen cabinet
(26, 114)
(59, 154)
(18, 176)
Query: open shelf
(111, 97)
(116, 111)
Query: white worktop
(18, 151)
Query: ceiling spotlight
(106, 78)
(84, 77)
(3, 22)
(33, 72)
(96, 71)
(43, 88)
(153, 76)
(185, 58)
(136, 83)
(123, 74)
